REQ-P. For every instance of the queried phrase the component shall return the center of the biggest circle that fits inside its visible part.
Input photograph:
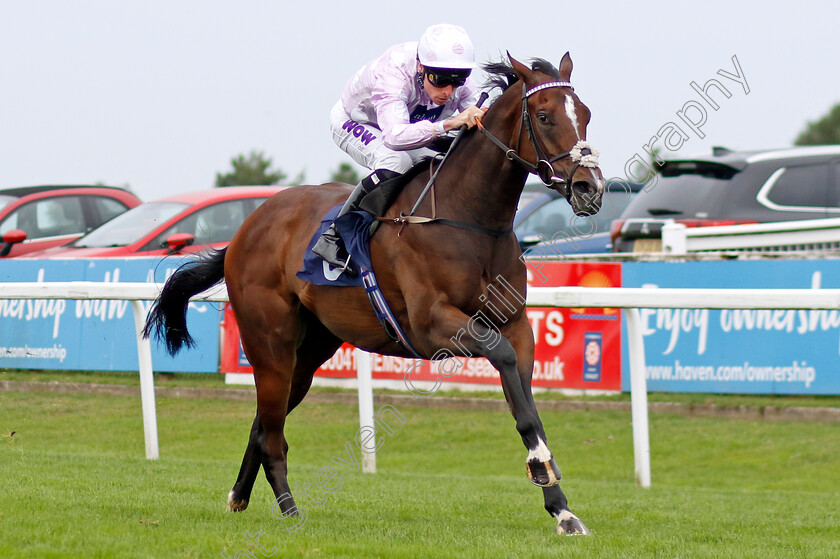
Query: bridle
(582, 153)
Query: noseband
(582, 154)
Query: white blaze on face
(570, 112)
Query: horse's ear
(521, 70)
(566, 67)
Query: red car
(33, 218)
(182, 223)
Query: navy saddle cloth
(354, 228)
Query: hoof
(570, 525)
(235, 506)
(543, 474)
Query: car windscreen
(6, 200)
(685, 191)
(557, 220)
(528, 198)
(130, 226)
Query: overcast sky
(159, 95)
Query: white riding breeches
(363, 142)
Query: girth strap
(383, 312)
(407, 219)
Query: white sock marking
(541, 453)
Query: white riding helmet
(446, 46)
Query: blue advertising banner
(95, 335)
(739, 351)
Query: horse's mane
(502, 75)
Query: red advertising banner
(575, 348)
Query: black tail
(168, 315)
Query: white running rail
(631, 299)
(133, 292)
(783, 236)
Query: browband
(546, 86)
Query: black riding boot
(330, 246)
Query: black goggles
(440, 77)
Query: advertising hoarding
(739, 351)
(95, 335)
(575, 348)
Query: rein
(402, 220)
(582, 154)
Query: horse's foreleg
(568, 523)
(476, 338)
(512, 354)
(513, 357)
(542, 468)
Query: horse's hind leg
(241, 493)
(317, 345)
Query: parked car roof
(221, 192)
(34, 218)
(19, 191)
(730, 187)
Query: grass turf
(217, 381)
(451, 483)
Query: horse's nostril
(584, 188)
(586, 198)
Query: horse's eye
(542, 117)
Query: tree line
(825, 130)
(256, 169)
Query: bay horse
(439, 278)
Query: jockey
(397, 105)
